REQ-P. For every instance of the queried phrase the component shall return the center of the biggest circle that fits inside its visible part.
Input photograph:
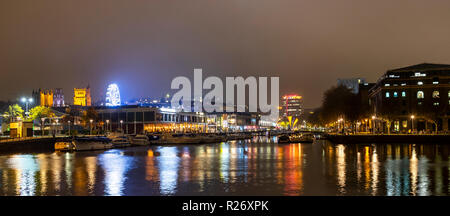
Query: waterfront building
(351, 83)
(234, 121)
(416, 97)
(292, 105)
(82, 96)
(134, 119)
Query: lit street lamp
(373, 124)
(121, 127)
(412, 123)
(69, 126)
(90, 126)
(42, 126)
(27, 101)
(56, 129)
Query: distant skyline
(143, 45)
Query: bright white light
(167, 110)
(113, 95)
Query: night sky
(142, 45)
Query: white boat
(140, 139)
(84, 144)
(120, 142)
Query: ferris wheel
(113, 95)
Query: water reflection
(250, 167)
(168, 164)
(115, 166)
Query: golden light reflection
(413, 169)
(374, 171)
(341, 167)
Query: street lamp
(42, 126)
(121, 127)
(69, 126)
(56, 129)
(90, 126)
(373, 124)
(26, 101)
(107, 122)
(412, 123)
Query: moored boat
(84, 144)
(140, 139)
(120, 142)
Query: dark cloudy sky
(142, 44)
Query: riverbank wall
(404, 138)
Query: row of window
(420, 94)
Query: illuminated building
(113, 95)
(421, 90)
(291, 105)
(21, 129)
(135, 119)
(43, 97)
(58, 98)
(82, 96)
(48, 97)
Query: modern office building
(291, 105)
(416, 97)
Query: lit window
(448, 94)
(420, 95)
(387, 94)
(403, 94)
(435, 82)
(403, 84)
(435, 94)
(387, 84)
(420, 83)
(436, 103)
(395, 94)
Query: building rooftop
(423, 66)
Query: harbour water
(252, 167)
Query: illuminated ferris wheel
(113, 95)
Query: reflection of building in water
(413, 164)
(91, 168)
(80, 178)
(43, 171)
(294, 173)
(56, 168)
(151, 172)
(374, 172)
